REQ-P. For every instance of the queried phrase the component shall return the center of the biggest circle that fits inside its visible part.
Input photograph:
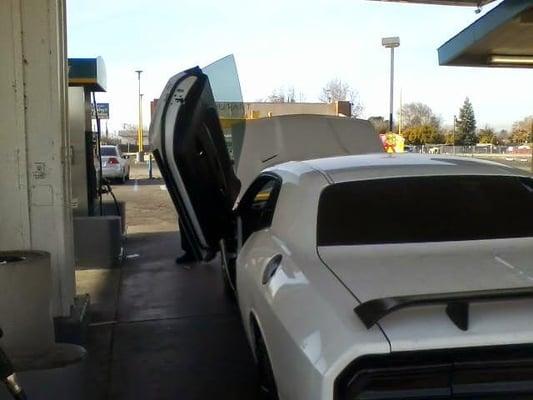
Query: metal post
(140, 155)
(150, 172)
(141, 133)
(391, 88)
(531, 145)
(400, 122)
(453, 137)
(391, 43)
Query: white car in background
(115, 165)
(340, 295)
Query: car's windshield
(425, 209)
(109, 151)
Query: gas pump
(87, 76)
(98, 225)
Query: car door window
(257, 207)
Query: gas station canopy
(467, 3)
(501, 38)
(87, 72)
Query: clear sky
(300, 43)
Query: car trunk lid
(372, 272)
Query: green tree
(466, 124)
(381, 125)
(503, 136)
(449, 137)
(487, 135)
(422, 134)
(522, 131)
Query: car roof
(380, 165)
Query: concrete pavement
(159, 330)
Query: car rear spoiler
(457, 303)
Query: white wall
(78, 167)
(35, 211)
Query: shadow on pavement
(140, 182)
(164, 331)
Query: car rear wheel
(267, 383)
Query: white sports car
(364, 276)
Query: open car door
(189, 147)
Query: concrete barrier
(25, 296)
(98, 241)
(48, 369)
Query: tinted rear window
(109, 151)
(425, 209)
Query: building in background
(229, 111)
(226, 110)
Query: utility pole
(391, 43)
(453, 136)
(140, 134)
(141, 138)
(531, 144)
(400, 122)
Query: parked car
(115, 165)
(340, 296)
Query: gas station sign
(103, 110)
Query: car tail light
(112, 160)
(493, 373)
(398, 383)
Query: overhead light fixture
(511, 60)
(391, 42)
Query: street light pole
(391, 43)
(453, 137)
(531, 145)
(391, 88)
(400, 122)
(141, 131)
(140, 154)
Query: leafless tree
(337, 90)
(282, 95)
(418, 114)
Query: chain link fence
(519, 151)
(514, 156)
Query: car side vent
(271, 268)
